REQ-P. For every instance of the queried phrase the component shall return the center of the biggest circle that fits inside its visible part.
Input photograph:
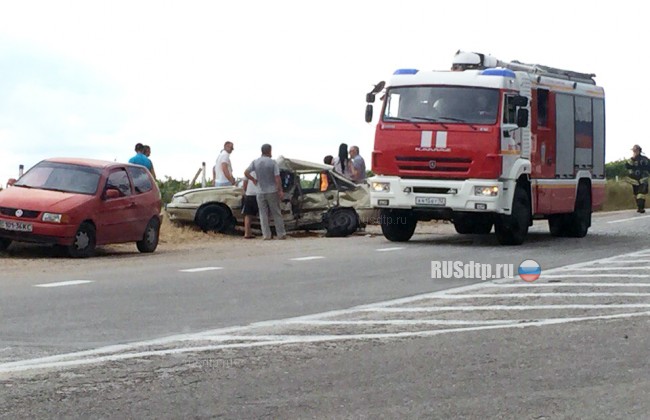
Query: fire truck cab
(488, 144)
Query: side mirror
(111, 193)
(520, 100)
(522, 117)
(368, 113)
(378, 87)
(370, 97)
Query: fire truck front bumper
(472, 195)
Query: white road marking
(129, 351)
(568, 276)
(64, 360)
(628, 219)
(519, 295)
(395, 248)
(645, 268)
(316, 257)
(197, 270)
(531, 285)
(404, 322)
(506, 307)
(64, 283)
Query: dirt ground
(175, 238)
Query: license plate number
(15, 226)
(430, 201)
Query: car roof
(95, 163)
(298, 165)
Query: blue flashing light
(498, 72)
(406, 71)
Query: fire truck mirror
(522, 117)
(370, 97)
(378, 87)
(368, 113)
(520, 100)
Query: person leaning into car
(270, 192)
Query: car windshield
(62, 177)
(443, 104)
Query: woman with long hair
(342, 162)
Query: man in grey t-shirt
(269, 192)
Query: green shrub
(616, 168)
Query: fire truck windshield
(448, 104)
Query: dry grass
(618, 196)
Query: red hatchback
(81, 203)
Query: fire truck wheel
(397, 225)
(512, 229)
(557, 224)
(580, 219)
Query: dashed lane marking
(628, 219)
(200, 269)
(64, 283)
(315, 257)
(395, 248)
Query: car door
(117, 214)
(318, 194)
(145, 199)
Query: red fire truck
(489, 143)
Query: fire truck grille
(427, 164)
(430, 190)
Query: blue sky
(91, 78)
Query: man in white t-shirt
(223, 169)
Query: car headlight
(54, 218)
(179, 199)
(380, 186)
(490, 191)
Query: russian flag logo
(529, 270)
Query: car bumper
(180, 213)
(42, 233)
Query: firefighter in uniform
(638, 167)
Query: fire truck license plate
(16, 226)
(430, 201)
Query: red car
(81, 203)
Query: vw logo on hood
(19, 213)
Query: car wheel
(84, 242)
(4, 243)
(149, 241)
(512, 229)
(342, 222)
(397, 225)
(213, 217)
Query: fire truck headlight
(490, 191)
(380, 187)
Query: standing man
(638, 167)
(357, 165)
(222, 169)
(140, 158)
(146, 150)
(270, 192)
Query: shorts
(250, 207)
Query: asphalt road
(310, 327)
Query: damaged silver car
(315, 197)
